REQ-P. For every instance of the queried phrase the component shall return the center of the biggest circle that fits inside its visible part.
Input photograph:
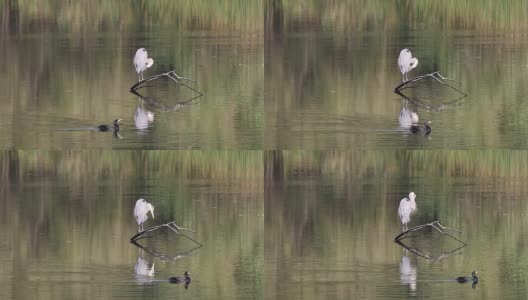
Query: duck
(114, 127)
(464, 279)
(186, 279)
(426, 128)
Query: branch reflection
(164, 256)
(437, 258)
(155, 102)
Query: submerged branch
(171, 225)
(427, 256)
(437, 226)
(427, 107)
(165, 257)
(171, 74)
(155, 102)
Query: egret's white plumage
(142, 62)
(406, 209)
(406, 62)
(141, 210)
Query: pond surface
(67, 220)
(58, 80)
(334, 220)
(334, 90)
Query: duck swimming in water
(114, 127)
(186, 279)
(426, 128)
(464, 279)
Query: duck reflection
(144, 270)
(408, 273)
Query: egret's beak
(119, 120)
(152, 213)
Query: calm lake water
(67, 218)
(333, 219)
(333, 79)
(60, 78)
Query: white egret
(406, 62)
(141, 210)
(142, 62)
(406, 209)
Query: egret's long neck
(414, 63)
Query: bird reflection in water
(144, 270)
(407, 118)
(408, 273)
(143, 117)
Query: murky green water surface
(67, 219)
(334, 220)
(67, 67)
(333, 68)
